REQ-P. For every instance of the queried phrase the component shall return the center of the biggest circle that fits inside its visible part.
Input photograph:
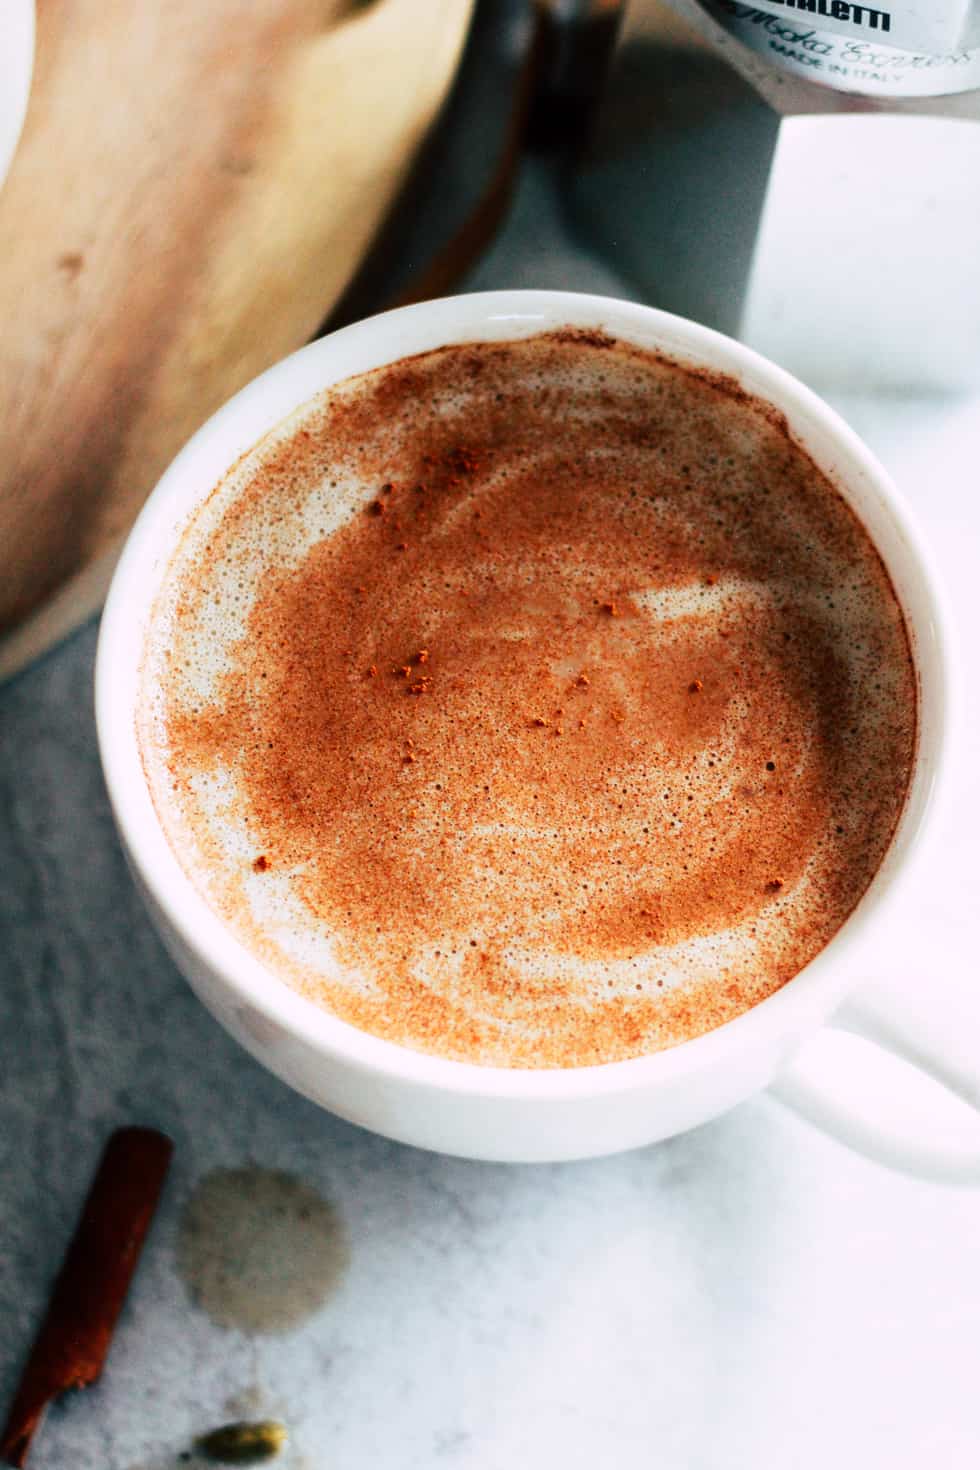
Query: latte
(534, 704)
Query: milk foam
(601, 965)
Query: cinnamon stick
(71, 1346)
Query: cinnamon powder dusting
(414, 850)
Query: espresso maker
(802, 174)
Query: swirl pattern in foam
(535, 704)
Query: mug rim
(809, 996)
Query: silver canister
(804, 174)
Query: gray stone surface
(749, 1296)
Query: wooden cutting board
(195, 186)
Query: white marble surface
(749, 1296)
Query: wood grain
(193, 190)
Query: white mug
(501, 1113)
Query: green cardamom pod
(243, 1443)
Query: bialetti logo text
(911, 49)
(859, 15)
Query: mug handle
(906, 1036)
